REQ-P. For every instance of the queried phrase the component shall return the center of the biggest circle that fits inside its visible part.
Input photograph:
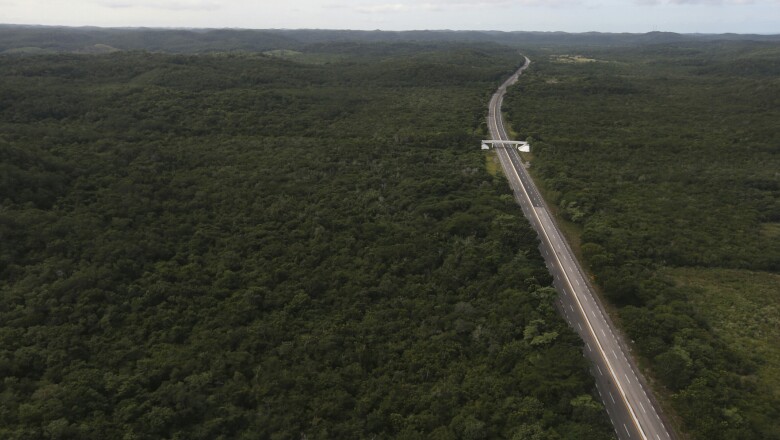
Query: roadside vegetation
(742, 307)
(667, 158)
(244, 246)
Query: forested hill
(241, 246)
(664, 161)
(46, 39)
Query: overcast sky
(708, 16)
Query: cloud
(168, 5)
(441, 5)
(553, 3)
(383, 8)
(536, 3)
(702, 2)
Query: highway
(634, 413)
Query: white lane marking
(629, 380)
(643, 407)
(610, 396)
(627, 431)
(588, 345)
(579, 325)
(543, 231)
(613, 353)
(602, 332)
(600, 373)
(571, 308)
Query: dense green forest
(243, 246)
(663, 162)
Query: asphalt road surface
(633, 411)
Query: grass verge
(743, 308)
(492, 164)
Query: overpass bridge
(521, 145)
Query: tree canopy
(242, 246)
(667, 157)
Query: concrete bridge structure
(521, 145)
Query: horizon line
(371, 30)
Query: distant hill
(85, 39)
(15, 38)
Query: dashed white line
(566, 257)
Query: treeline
(55, 39)
(209, 247)
(667, 157)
